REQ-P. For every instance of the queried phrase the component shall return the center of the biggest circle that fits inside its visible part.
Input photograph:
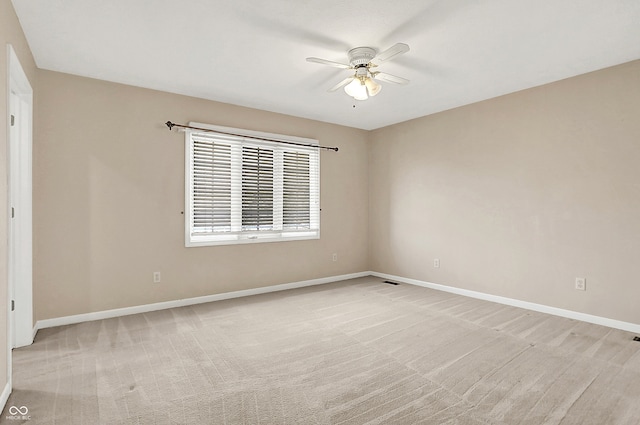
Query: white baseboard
(598, 320)
(4, 397)
(108, 314)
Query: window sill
(196, 241)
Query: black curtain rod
(171, 125)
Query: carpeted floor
(353, 352)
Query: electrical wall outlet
(334, 257)
(581, 284)
(157, 277)
(436, 263)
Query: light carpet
(352, 352)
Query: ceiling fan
(361, 84)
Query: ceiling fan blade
(330, 63)
(391, 52)
(341, 83)
(383, 76)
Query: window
(240, 189)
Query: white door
(20, 205)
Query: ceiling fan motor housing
(361, 56)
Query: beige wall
(518, 195)
(10, 33)
(109, 196)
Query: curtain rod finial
(170, 125)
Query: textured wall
(518, 195)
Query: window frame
(248, 237)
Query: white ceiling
(252, 53)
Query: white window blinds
(211, 193)
(296, 191)
(241, 190)
(257, 188)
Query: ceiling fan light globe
(356, 89)
(353, 88)
(362, 96)
(372, 87)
